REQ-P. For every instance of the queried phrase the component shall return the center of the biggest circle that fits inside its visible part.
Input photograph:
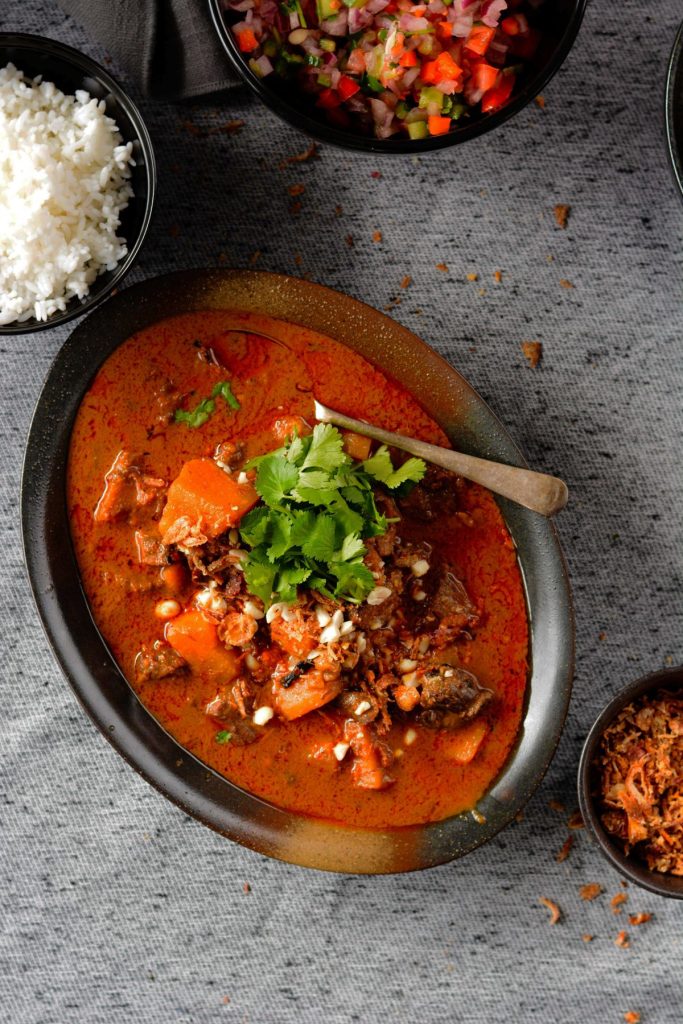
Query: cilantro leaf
(224, 390)
(326, 450)
(354, 581)
(380, 467)
(254, 526)
(223, 736)
(352, 547)
(198, 416)
(260, 576)
(287, 581)
(279, 534)
(275, 478)
(202, 412)
(321, 542)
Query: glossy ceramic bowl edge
(111, 702)
(66, 56)
(629, 867)
(348, 140)
(673, 109)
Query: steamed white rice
(64, 180)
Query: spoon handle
(537, 491)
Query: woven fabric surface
(117, 907)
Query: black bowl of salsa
(322, 113)
(130, 720)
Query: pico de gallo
(391, 67)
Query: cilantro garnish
(198, 416)
(223, 736)
(318, 507)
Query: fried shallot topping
(640, 765)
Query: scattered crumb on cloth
(616, 901)
(564, 852)
(555, 912)
(299, 158)
(591, 891)
(533, 350)
(562, 212)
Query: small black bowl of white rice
(77, 183)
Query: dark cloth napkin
(168, 47)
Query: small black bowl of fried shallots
(631, 782)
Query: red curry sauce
(127, 409)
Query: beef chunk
(450, 609)
(150, 549)
(126, 487)
(157, 662)
(450, 696)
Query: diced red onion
(491, 11)
(375, 6)
(409, 23)
(462, 26)
(264, 65)
(336, 26)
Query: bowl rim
(663, 885)
(329, 135)
(197, 789)
(673, 112)
(82, 62)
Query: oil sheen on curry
(335, 628)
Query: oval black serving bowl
(97, 680)
(630, 867)
(674, 109)
(71, 70)
(558, 20)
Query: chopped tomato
(347, 87)
(356, 62)
(328, 99)
(479, 39)
(500, 94)
(409, 59)
(438, 125)
(442, 69)
(485, 76)
(246, 40)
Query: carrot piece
(462, 746)
(479, 39)
(438, 125)
(196, 640)
(307, 693)
(204, 493)
(356, 445)
(246, 40)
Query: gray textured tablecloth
(116, 906)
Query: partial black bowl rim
(137, 735)
(663, 885)
(348, 140)
(673, 108)
(90, 66)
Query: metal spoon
(537, 491)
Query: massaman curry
(338, 629)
